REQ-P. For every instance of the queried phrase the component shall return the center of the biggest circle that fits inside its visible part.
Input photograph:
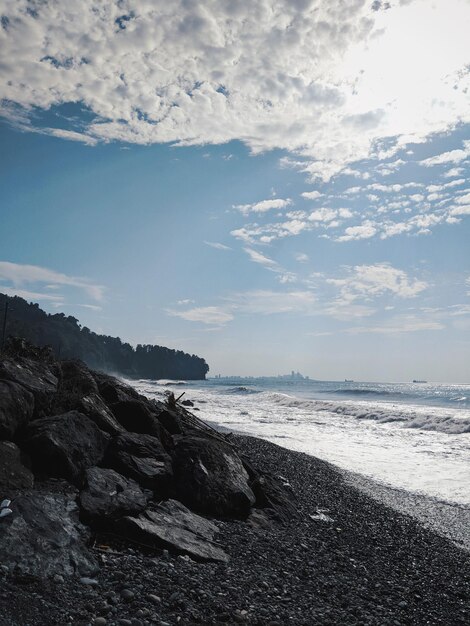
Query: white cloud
(267, 302)
(365, 282)
(257, 257)
(31, 295)
(312, 195)
(465, 199)
(322, 80)
(455, 171)
(263, 206)
(301, 257)
(365, 231)
(217, 246)
(206, 315)
(32, 274)
(453, 156)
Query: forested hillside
(69, 340)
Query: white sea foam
(414, 437)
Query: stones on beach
(172, 526)
(142, 458)
(108, 495)
(65, 445)
(210, 478)
(14, 475)
(44, 537)
(16, 408)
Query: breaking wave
(453, 422)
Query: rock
(153, 598)
(171, 421)
(127, 595)
(65, 445)
(142, 458)
(172, 526)
(270, 492)
(13, 474)
(36, 376)
(44, 538)
(91, 582)
(108, 495)
(210, 478)
(187, 403)
(100, 621)
(16, 408)
(93, 407)
(76, 382)
(136, 416)
(112, 390)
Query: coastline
(370, 565)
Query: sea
(410, 436)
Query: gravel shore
(346, 559)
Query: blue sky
(281, 193)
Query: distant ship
(419, 381)
(348, 380)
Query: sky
(274, 185)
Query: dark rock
(16, 408)
(65, 445)
(40, 378)
(108, 495)
(210, 477)
(112, 390)
(76, 382)
(136, 416)
(93, 407)
(171, 421)
(187, 403)
(13, 474)
(172, 526)
(142, 458)
(273, 493)
(43, 537)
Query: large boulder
(38, 377)
(108, 495)
(93, 407)
(136, 416)
(65, 445)
(142, 458)
(76, 381)
(16, 408)
(210, 478)
(171, 526)
(14, 475)
(43, 537)
(112, 390)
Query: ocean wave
(455, 422)
(241, 390)
(170, 383)
(361, 392)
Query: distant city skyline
(268, 185)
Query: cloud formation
(20, 275)
(323, 80)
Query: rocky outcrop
(93, 407)
(108, 495)
(65, 445)
(142, 458)
(14, 475)
(210, 478)
(16, 408)
(38, 377)
(43, 537)
(139, 464)
(172, 526)
(136, 416)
